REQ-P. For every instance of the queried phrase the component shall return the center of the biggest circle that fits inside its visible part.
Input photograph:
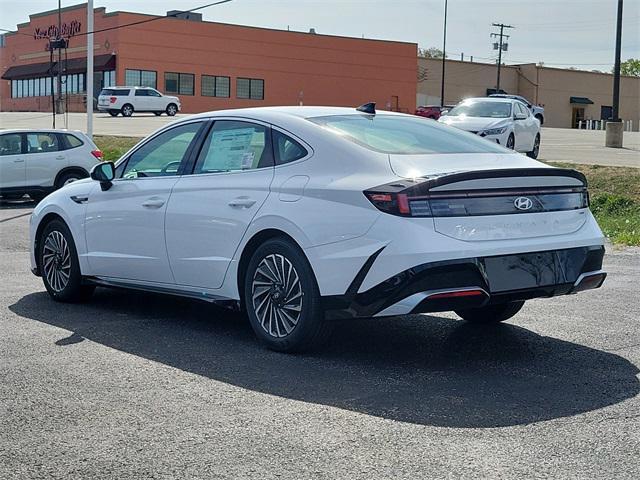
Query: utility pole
(90, 69)
(614, 128)
(444, 53)
(500, 46)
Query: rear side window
(43, 142)
(71, 141)
(287, 149)
(115, 92)
(10, 144)
(142, 93)
(404, 135)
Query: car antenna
(368, 108)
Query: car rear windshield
(115, 92)
(404, 134)
(482, 109)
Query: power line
(147, 20)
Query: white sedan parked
(36, 162)
(308, 216)
(505, 121)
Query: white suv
(127, 100)
(36, 162)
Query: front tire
(59, 266)
(536, 148)
(282, 299)
(491, 313)
(511, 142)
(172, 109)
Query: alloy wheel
(511, 142)
(171, 110)
(277, 295)
(56, 261)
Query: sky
(560, 33)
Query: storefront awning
(73, 65)
(581, 100)
(27, 71)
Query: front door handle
(60, 157)
(20, 160)
(242, 202)
(153, 202)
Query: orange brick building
(208, 65)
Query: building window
(252, 88)
(182, 83)
(108, 78)
(140, 78)
(215, 86)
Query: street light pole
(616, 67)
(615, 127)
(444, 53)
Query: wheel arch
(71, 169)
(48, 218)
(254, 242)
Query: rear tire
(127, 110)
(282, 299)
(157, 114)
(69, 178)
(536, 148)
(492, 313)
(59, 266)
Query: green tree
(630, 67)
(431, 52)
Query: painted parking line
(14, 217)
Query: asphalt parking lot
(558, 144)
(140, 386)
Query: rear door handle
(153, 202)
(242, 202)
(60, 157)
(20, 160)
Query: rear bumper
(473, 282)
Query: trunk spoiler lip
(427, 182)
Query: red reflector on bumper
(458, 293)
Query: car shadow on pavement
(420, 369)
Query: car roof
(39, 130)
(492, 99)
(289, 111)
(126, 86)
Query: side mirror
(104, 173)
(444, 112)
(520, 116)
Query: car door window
(42, 142)
(235, 146)
(141, 93)
(162, 155)
(153, 93)
(10, 144)
(287, 149)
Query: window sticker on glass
(231, 150)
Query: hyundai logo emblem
(523, 203)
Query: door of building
(606, 112)
(577, 116)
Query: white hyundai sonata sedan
(309, 216)
(505, 121)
